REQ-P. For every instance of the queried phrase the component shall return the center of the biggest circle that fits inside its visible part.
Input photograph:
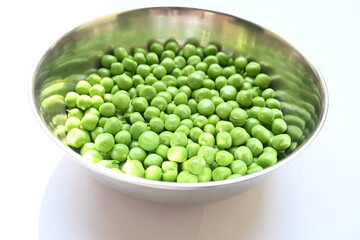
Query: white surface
(46, 196)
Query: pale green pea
(134, 168)
(220, 173)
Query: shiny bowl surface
(300, 87)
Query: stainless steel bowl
(300, 87)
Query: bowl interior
(300, 88)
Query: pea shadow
(77, 207)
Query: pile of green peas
(177, 113)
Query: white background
(46, 196)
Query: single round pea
(71, 98)
(273, 103)
(206, 107)
(278, 126)
(120, 53)
(252, 69)
(214, 71)
(89, 121)
(119, 152)
(172, 122)
(153, 160)
(178, 139)
(243, 153)
(205, 176)
(104, 72)
(82, 87)
(209, 128)
(130, 65)
(95, 132)
(196, 165)
(220, 173)
(261, 133)
(195, 80)
(156, 47)
(93, 155)
(266, 159)
(72, 122)
(123, 137)
(151, 79)
(162, 150)
(183, 111)
(228, 93)
(250, 123)
(177, 154)
(134, 168)
(136, 117)
(208, 153)
(244, 98)
(224, 126)
(153, 173)
(268, 93)
(140, 104)
(77, 137)
(213, 119)
(75, 112)
(238, 167)
(281, 142)
(167, 54)
(180, 98)
(159, 102)
(223, 140)
(266, 115)
(149, 140)
(238, 117)
(240, 62)
(104, 142)
(143, 70)
(224, 158)
(147, 92)
(84, 102)
(223, 110)
(151, 112)
(209, 60)
(192, 149)
(123, 81)
(223, 58)
(210, 49)
(186, 177)
(97, 101)
(159, 86)
(107, 83)
(157, 125)
(255, 146)
(137, 129)
(165, 138)
(262, 80)
(170, 108)
(137, 153)
(107, 109)
(206, 139)
(200, 121)
(152, 58)
(113, 125)
(239, 136)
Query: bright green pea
(71, 98)
(149, 140)
(240, 62)
(123, 137)
(137, 153)
(266, 115)
(255, 146)
(96, 132)
(186, 89)
(84, 102)
(278, 126)
(239, 136)
(77, 137)
(213, 119)
(220, 173)
(123, 81)
(224, 126)
(178, 139)
(121, 100)
(93, 155)
(206, 107)
(192, 149)
(224, 158)
(266, 159)
(261, 133)
(140, 104)
(196, 165)
(209, 128)
(223, 58)
(172, 122)
(104, 142)
(273, 103)
(238, 117)
(153, 160)
(206, 139)
(137, 129)
(156, 47)
(258, 101)
(107, 109)
(152, 58)
(107, 83)
(150, 80)
(134, 144)
(120, 53)
(162, 150)
(159, 102)
(186, 177)
(243, 153)
(137, 80)
(72, 122)
(235, 80)
(252, 69)
(244, 98)
(228, 93)
(139, 57)
(134, 168)
(210, 49)
(200, 121)
(82, 87)
(268, 93)
(136, 117)
(93, 79)
(75, 112)
(205, 175)
(143, 70)
(223, 110)
(119, 152)
(165, 138)
(253, 169)
(183, 111)
(214, 71)
(113, 125)
(262, 80)
(104, 72)
(153, 173)
(195, 80)
(281, 142)
(89, 121)
(238, 167)
(208, 153)
(129, 65)
(223, 140)
(180, 98)
(97, 101)
(170, 108)
(177, 154)
(250, 123)
(148, 92)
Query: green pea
(77, 137)
(205, 175)
(93, 155)
(224, 158)
(278, 126)
(180, 98)
(250, 123)
(228, 93)
(206, 139)
(186, 177)
(206, 107)
(153, 160)
(255, 146)
(209, 128)
(82, 87)
(123, 137)
(97, 101)
(71, 98)
(243, 153)
(200, 121)
(195, 80)
(252, 69)
(151, 79)
(177, 154)
(268, 93)
(241, 62)
(84, 102)
(104, 72)
(178, 139)
(89, 121)
(266, 159)
(172, 122)
(273, 103)
(235, 80)
(281, 142)
(134, 168)
(159, 86)
(183, 111)
(107, 109)
(224, 126)
(244, 98)
(239, 136)
(214, 71)
(137, 129)
(134, 144)
(261, 133)
(143, 70)
(95, 132)
(266, 115)
(261, 80)
(208, 153)
(210, 49)
(140, 104)
(223, 140)
(196, 165)
(238, 117)
(123, 81)
(159, 102)
(223, 58)
(223, 110)
(120, 53)
(220, 173)
(213, 119)
(137, 153)
(254, 169)
(75, 112)
(104, 142)
(153, 173)
(165, 138)
(192, 149)
(162, 150)
(119, 152)
(238, 167)
(152, 58)
(149, 140)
